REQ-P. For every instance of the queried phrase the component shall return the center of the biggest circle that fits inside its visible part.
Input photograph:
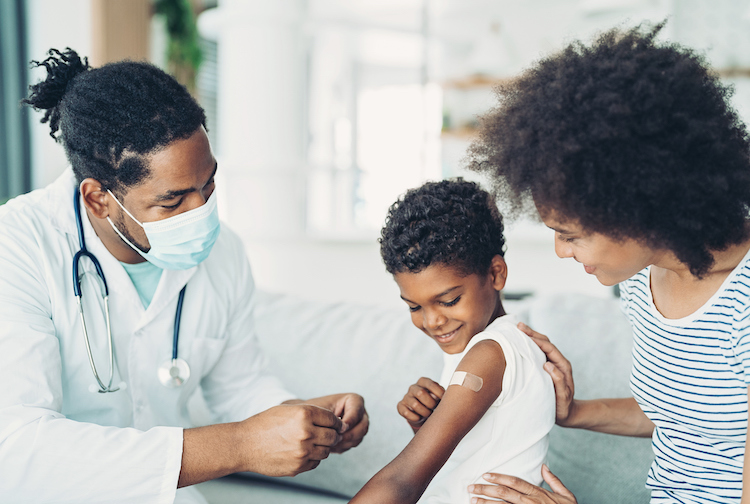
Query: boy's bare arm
(404, 480)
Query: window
(374, 129)
(15, 148)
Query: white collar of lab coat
(62, 216)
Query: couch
(320, 348)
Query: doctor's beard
(119, 221)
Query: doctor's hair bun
(452, 223)
(109, 119)
(62, 68)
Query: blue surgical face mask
(179, 242)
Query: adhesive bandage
(467, 380)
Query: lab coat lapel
(62, 215)
(170, 284)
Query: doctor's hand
(516, 490)
(288, 439)
(419, 401)
(350, 408)
(282, 441)
(559, 368)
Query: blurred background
(322, 112)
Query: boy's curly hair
(452, 222)
(629, 138)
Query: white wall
(53, 24)
(264, 179)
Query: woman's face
(611, 261)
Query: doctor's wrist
(211, 452)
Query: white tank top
(512, 436)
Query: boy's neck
(499, 311)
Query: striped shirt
(690, 376)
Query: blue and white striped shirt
(690, 376)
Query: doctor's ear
(95, 197)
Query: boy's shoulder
(504, 328)
(505, 332)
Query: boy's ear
(498, 272)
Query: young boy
(494, 405)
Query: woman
(629, 151)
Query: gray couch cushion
(325, 348)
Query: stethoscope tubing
(177, 317)
(83, 252)
(77, 292)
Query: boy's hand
(419, 402)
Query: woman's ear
(95, 198)
(498, 272)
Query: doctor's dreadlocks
(108, 118)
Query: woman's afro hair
(627, 137)
(108, 118)
(453, 223)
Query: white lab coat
(60, 442)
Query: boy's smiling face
(450, 307)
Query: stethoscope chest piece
(174, 372)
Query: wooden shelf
(475, 81)
(460, 133)
(728, 73)
(485, 81)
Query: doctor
(93, 400)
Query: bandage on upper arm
(468, 380)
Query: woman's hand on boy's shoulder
(420, 401)
(561, 372)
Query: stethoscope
(171, 373)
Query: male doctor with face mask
(80, 422)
